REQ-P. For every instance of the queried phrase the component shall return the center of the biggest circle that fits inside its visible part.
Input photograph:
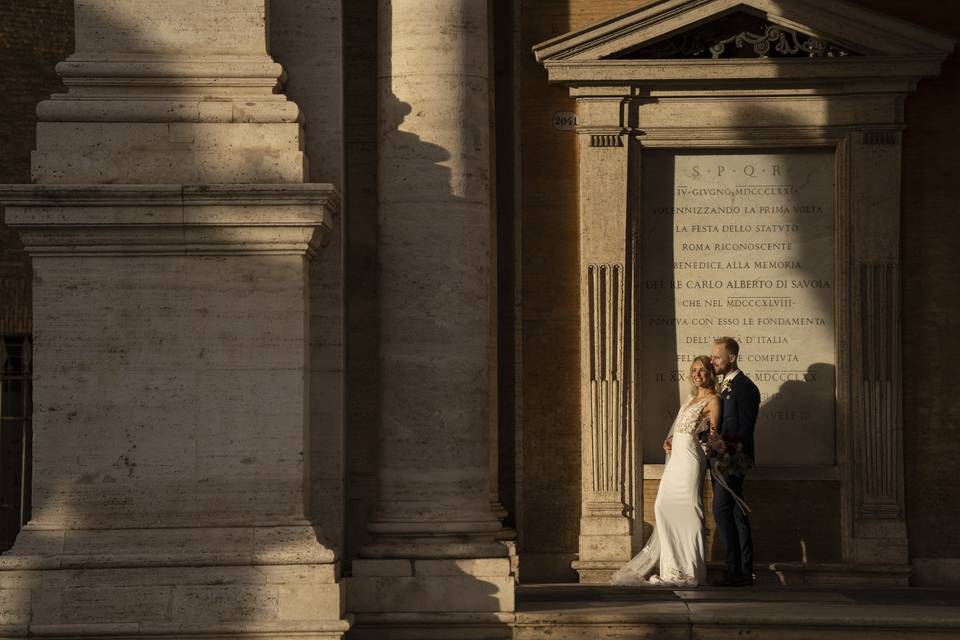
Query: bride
(677, 542)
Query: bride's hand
(667, 445)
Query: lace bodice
(692, 418)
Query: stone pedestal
(171, 236)
(170, 412)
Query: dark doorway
(16, 408)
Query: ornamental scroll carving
(879, 439)
(741, 35)
(605, 290)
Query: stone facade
(307, 301)
(551, 292)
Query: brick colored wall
(34, 36)
(931, 294)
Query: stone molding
(181, 89)
(852, 105)
(170, 219)
(290, 543)
(656, 72)
(185, 89)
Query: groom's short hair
(731, 345)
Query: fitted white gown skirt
(677, 543)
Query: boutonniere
(726, 386)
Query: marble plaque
(742, 244)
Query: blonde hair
(708, 367)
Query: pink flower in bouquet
(727, 454)
(717, 445)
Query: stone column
(170, 236)
(875, 528)
(608, 219)
(434, 536)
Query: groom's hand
(668, 445)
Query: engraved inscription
(565, 121)
(742, 245)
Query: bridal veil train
(677, 543)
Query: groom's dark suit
(740, 405)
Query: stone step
(578, 612)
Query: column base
(432, 598)
(596, 571)
(433, 626)
(605, 546)
(180, 583)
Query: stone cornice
(740, 72)
(151, 88)
(117, 220)
(864, 30)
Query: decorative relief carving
(606, 314)
(751, 36)
(881, 137)
(879, 440)
(606, 140)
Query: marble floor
(567, 612)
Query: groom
(740, 404)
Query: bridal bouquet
(727, 454)
(728, 457)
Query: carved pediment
(765, 29)
(740, 34)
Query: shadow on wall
(807, 529)
(796, 516)
(545, 251)
(362, 312)
(307, 39)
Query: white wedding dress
(677, 542)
